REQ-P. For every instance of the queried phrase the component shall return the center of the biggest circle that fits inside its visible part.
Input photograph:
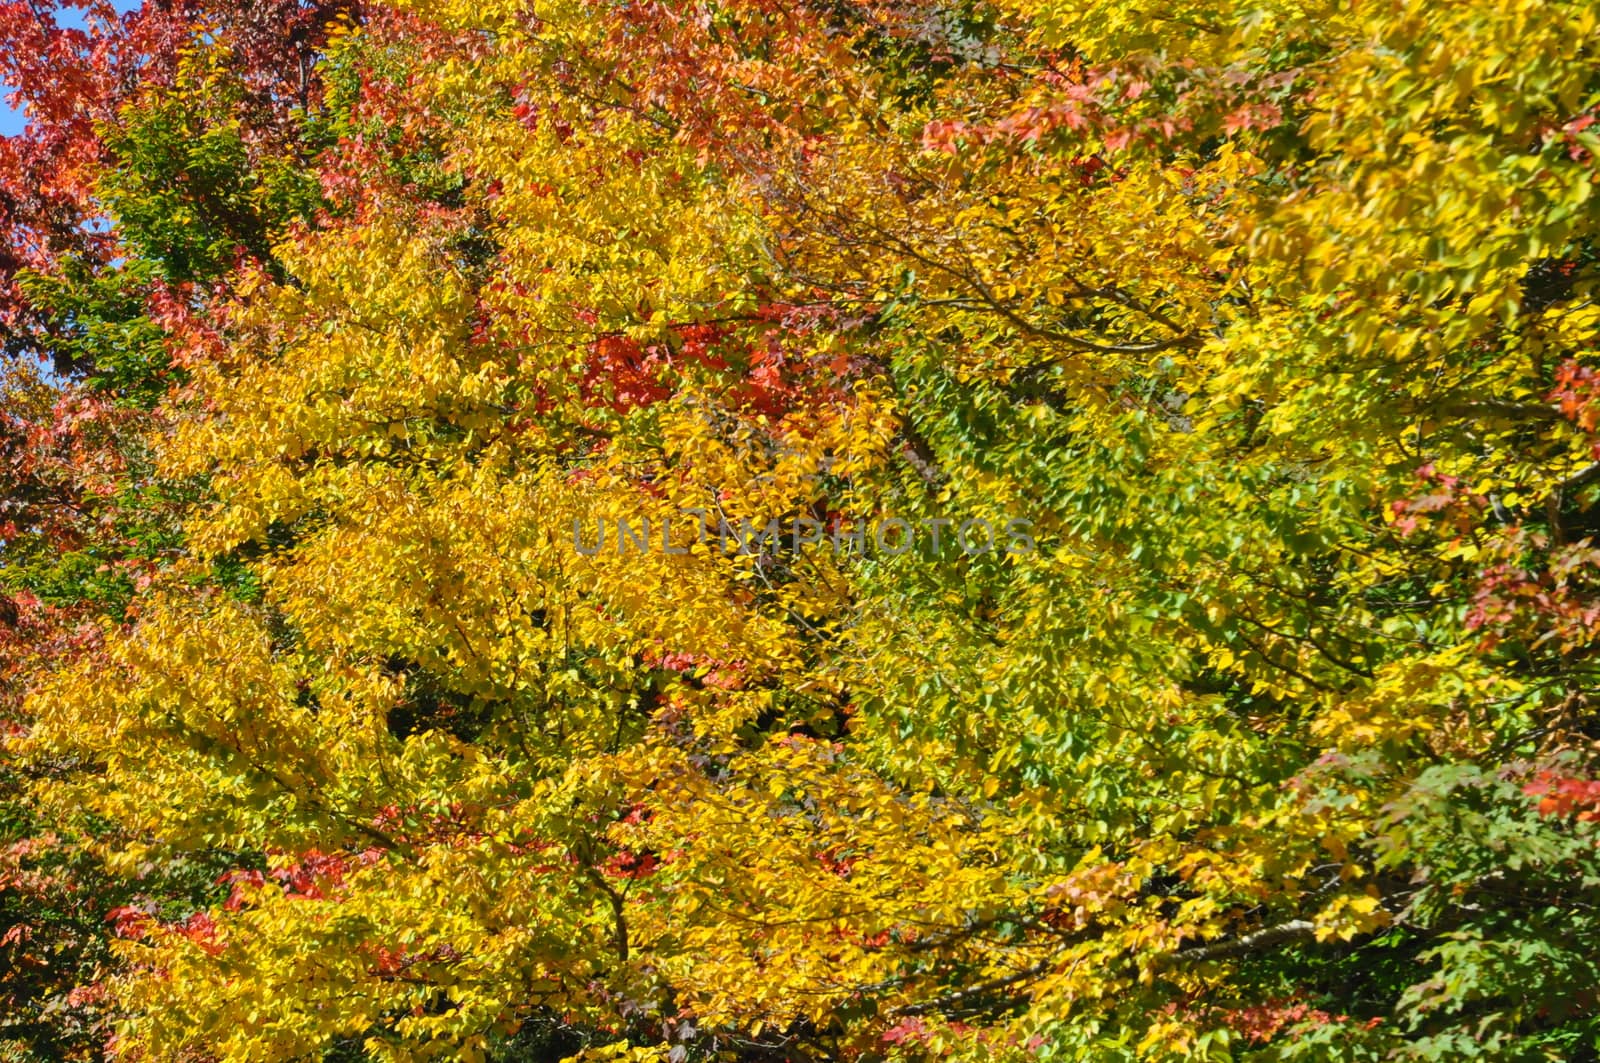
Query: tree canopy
(843, 529)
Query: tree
(92, 315)
(1259, 726)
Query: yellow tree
(600, 680)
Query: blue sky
(11, 122)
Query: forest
(785, 531)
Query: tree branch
(1292, 932)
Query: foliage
(1274, 323)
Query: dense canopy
(812, 530)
